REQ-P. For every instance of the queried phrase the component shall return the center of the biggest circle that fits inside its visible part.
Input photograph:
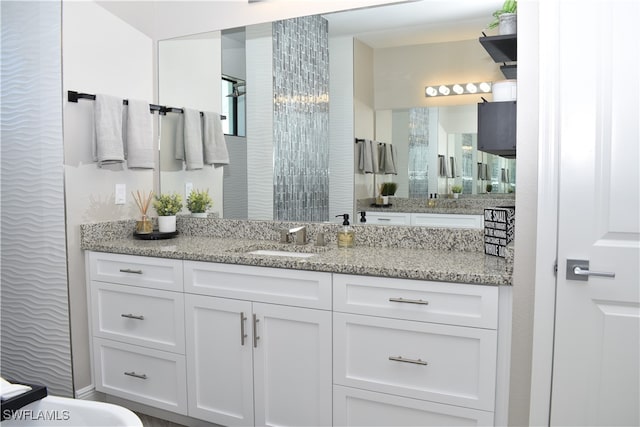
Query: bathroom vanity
(203, 327)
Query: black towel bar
(73, 96)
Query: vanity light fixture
(457, 89)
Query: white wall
(101, 54)
(189, 72)
(363, 111)
(401, 73)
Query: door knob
(578, 269)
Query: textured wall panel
(235, 179)
(35, 318)
(341, 133)
(419, 152)
(259, 99)
(301, 119)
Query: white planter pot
(199, 214)
(385, 200)
(167, 224)
(456, 195)
(508, 24)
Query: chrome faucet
(300, 235)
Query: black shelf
(510, 71)
(497, 128)
(502, 48)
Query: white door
(219, 360)
(596, 375)
(292, 366)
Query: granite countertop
(465, 205)
(408, 263)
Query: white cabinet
(138, 332)
(388, 218)
(410, 352)
(447, 220)
(426, 219)
(254, 362)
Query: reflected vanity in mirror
(384, 88)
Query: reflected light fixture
(457, 89)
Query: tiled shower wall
(301, 119)
(419, 152)
(35, 310)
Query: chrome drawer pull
(133, 374)
(409, 301)
(133, 316)
(402, 359)
(128, 270)
(255, 331)
(242, 334)
(383, 219)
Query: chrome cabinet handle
(243, 335)
(383, 219)
(255, 331)
(405, 360)
(128, 270)
(578, 269)
(409, 301)
(133, 374)
(133, 316)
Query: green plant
(489, 188)
(456, 189)
(167, 204)
(509, 6)
(388, 188)
(199, 201)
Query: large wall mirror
(394, 51)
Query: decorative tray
(375, 205)
(155, 235)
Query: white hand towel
(8, 390)
(108, 147)
(215, 146)
(367, 156)
(179, 138)
(390, 159)
(193, 139)
(139, 136)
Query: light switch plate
(121, 194)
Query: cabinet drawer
(447, 221)
(158, 273)
(441, 363)
(138, 316)
(287, 287)
(151, 377)
(450, 303)
(355, 407)
(388, 218)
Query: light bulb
(458, 89)
(443, 90)
(431, 91)
(485, 87)
(471, 88)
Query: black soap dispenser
(346, 235)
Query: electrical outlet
(121, 194)
(188, 188)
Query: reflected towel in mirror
(192, 139)
(215, 146)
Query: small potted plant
(387, 189)
(489, 188)
(456, 190)
(198, 202)
(506, 18)
(167, 206)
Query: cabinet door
(388, 218)
(219, 360)
(497, 128)
(292, 366)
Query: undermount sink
(282, 253)
(280, 249)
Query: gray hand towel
(179, 138)
(367, 156)
(108, 147)
(390, 159)
(193, 151)
(139, 136)
(215, 146)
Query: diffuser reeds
(143, 203)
